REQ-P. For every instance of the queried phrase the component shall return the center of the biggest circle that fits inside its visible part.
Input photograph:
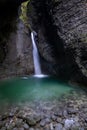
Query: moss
(23, 15)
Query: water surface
(33, 88)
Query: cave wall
(70, 17)
(15, 42)
(6, 2)
(40, 21)
(63, 27)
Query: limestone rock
(61, 25)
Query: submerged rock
(28, 120)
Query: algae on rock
(23, 16)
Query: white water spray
(36, 59)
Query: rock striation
(15, 42)
(62, 43)
(63, 26)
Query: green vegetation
(23, 15)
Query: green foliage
(23, 15)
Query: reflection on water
(32, 88)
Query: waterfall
(36, 59)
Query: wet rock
(18, 122)
(47, 120)
(59, 127)
(51, 126)
(1, 124)
(72, 121)
(53, 117)
(42, 123)
(21, 115)
(59, 119)
(16, 36)
(13, 111)
(0, 117)
(59, 113)
(15, 128)
(31, 120)
(46, 127)
(11, 114)
(5, 115)
(26, 126)
(81, 129)
(21, 128)
(69, 123)
(63, 128)
(37, 117)
(71, 111)
(65, 113)
(67, 32)
(86, 120)
(10, 124)
(3, 128)
(31, 129)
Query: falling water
(37, 66)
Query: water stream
(36, 59)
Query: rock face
(11, 1)
(18, 59)
(62, 43)
(15, 43)
(70, 17)
(41, 22)
(64, 29)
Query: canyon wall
(64, 29)
(15, 42)
(62, 42)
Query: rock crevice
(63, 27)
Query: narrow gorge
(43, 65)
(61, 31)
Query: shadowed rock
(63, 27)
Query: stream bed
(34, 103)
